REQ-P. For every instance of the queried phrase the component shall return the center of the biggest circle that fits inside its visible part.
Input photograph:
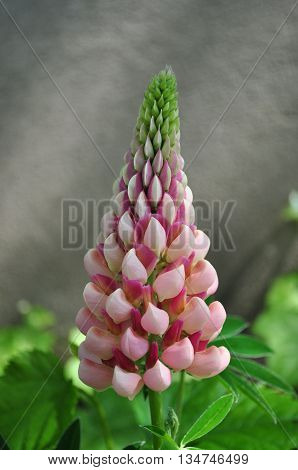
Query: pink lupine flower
(146, 315)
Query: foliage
(34, 332)
(40, 401)
(278, 326)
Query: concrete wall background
(102, 54)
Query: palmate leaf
(244, 346)
(209, 419)
(248, 389)
(254, 369)
(36, 402)
(70, 439)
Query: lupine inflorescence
(146, 314)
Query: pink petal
(133, 345)
(180, 355)
(133, 290)
(86, 320)
(126, 229)
(94, 298)
(203, 276)
(155, 191)
(147, 257)
(98, 376)
(167, 285)
(101, 342)
(210, 362)
(132, 267)
(215, 323)
(118, 307)
(155, 236)
(84, 353)
(113, 253)
(94, 263)
(167, 208)
(158, 378)
(155, 320)
(142, 207)
(183, 245)
(202, 245)
(126, 384)
(195, 315)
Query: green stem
(179, 402)
(156, 412)
(107, 436)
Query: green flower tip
(158, 122)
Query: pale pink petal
(215, 323)
(155, 236)
(170, 283)
(203, 276)
(202, 245)
(155, 320)
(195, 315)
(101, 343)
(183, 245)
(94, 298)
(210, 362)
(133, 345)
(84, 353)
(132, 267)
(126, 229)
(188, 194)
(126, 384)
(113, 253)
(98, 376)
(94, 264)
(85, 320)
(158, 378)
(167, 208)
(118, 307)
(180, 355)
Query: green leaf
(211, 418)
(249, 427)
(277, 325)
(167, 442)
(19, 339)
(260, 372)
(36, 402)
(3, 445)
(232, 327)
(70, 439)
(251, 391)
(244, 346)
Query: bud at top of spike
(158, 122)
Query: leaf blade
(260, 372)
(209, 419)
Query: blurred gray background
(101, 55)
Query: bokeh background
(100, 56)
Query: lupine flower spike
(146, 315)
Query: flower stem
(179, 402)
(107, 436)
(156, 412)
